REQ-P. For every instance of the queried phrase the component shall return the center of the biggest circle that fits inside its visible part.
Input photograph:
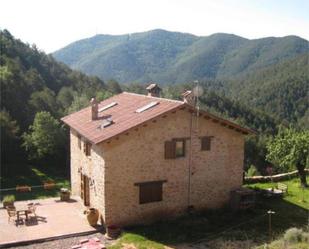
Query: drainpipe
(189, 206)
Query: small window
(87, 149)
(206, 143)
(180, 148)
(79, 143)
(150, 191)
(175, 148)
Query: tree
(79, 102)
(113, 86)
(290, 149)
(9, 136)
(45, 137)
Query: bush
(295, 235)
(9, 198)
(252, 171)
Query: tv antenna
(197, 92)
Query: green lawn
(296, 195)
(291, 211)
(32, 175)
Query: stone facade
(138, 156)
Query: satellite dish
(198, 91)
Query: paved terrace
(54, 218)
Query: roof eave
(244, 130)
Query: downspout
(189, 206)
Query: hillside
(281, 90)
(172, 57)
(32, 82)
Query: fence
(27, 192)
(274, 178)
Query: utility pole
(269, 224)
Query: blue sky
(52, 24)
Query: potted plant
(92, 216)
(8, 200)
(112, 231)
(65, 194)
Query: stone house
(138, 158)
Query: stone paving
(54, 218)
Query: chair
(11, 210)
(32, 209)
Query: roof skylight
(146, 107)
(107, 106)
(106, 122)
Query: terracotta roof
(122, 116)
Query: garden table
(22, 209)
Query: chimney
(188, 97)
(153, 90)
(94, 109)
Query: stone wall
(139, 157)
(93, 167)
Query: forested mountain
(172, 57)
(32, 82)
(281, 90)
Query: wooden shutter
(86, 191)
(82, 186)
(205, 143)
(170, 147)
(85, 147)
(150, 192)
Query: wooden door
(84, 189)
(82, 186)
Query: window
(206, 143)
(87, 149)
(180, 148)
(175, 148)
(79, 143)
(150, 191)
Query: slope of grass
(296, 195)
(33, 176)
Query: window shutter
(205, 143)
(85, 147)
(79, 142)
(150, 192)
(170, 149)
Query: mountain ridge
(175, 57)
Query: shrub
(9, 198)
(252, 171)
(293, 235)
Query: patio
(54, 218)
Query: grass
(296, 195)
(32, 176)
(291, 211)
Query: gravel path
(64, 243)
